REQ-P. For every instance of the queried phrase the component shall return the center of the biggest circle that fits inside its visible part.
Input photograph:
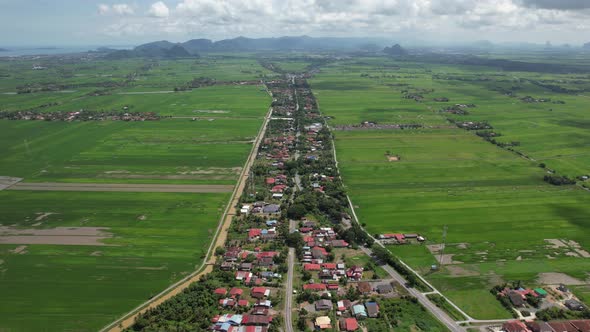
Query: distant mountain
(586, 46)
(3, 50)
(159, 49)
(395, 50)
(301, 43)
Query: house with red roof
(348, 324)
(515, 326)
(243, 303)
(254, 233)
(329, 266)
(315, 287)
(260, 292)
(220, 291)
(235, 292)
(311, 267)
(270, 181)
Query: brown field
(81, 236)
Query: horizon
(140, 21)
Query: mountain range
(192, 48)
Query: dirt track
(81, 236)
(160, 188)
(221, 234)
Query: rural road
(122, 187)
(207, 265)
(289, 291)
(436, 311)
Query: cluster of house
(81, 115)
(518, 297)
(311, 136)
(540, 326)
(237, 259)
(261, 208)
(399, 238)
(349, 313)
(257, 304)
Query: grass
(157, 237)
(442, 303)
(493, 202)
(167, 151)
(80, 288)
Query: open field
(166, 151)
(553, 131)
(502, 218)
(162, 188)
(76, 257)
(149, 239)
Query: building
(562, 327)
(323, 305)
(539, 326)
(574, 305)
(359, 311)
(348, 324)
(323, 322)
(372, 309)
(515, 326)
(384, 289)
(315, 287)
(260, 292)
(516, 298)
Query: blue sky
(89, 22)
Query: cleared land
(161, 188)
(498, 210)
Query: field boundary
(122, 187)
(128, 319)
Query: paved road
(289, 292)
(436, 311)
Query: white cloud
(159, 9)
(123, 9)
(480, 19)
(103, 9)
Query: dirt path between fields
(128, 187)
(221, 236)
(79, 236)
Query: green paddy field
(498, 211)
(146, 240)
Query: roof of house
(323, 320)
(221, 291)
(562, 326)
(259, 290)
(372, 308)
(271, 208)
(539, 326)
(315, 287)
(254, 232)
(329, 266)
(236, 291)
(323, 304)
(243, 303)
(350, 324)
(359, 309)
(582, 325)
(311, 267)
(540, 291)
(384, 288)
(515, 326)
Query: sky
(89, 22)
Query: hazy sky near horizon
(90, 22)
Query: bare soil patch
(555, 278)
(7, 181)
(85, 236)
(20, 250)
(123, 187)
(556, 243)
(392, 158)
(460, 271)
(43, 215)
